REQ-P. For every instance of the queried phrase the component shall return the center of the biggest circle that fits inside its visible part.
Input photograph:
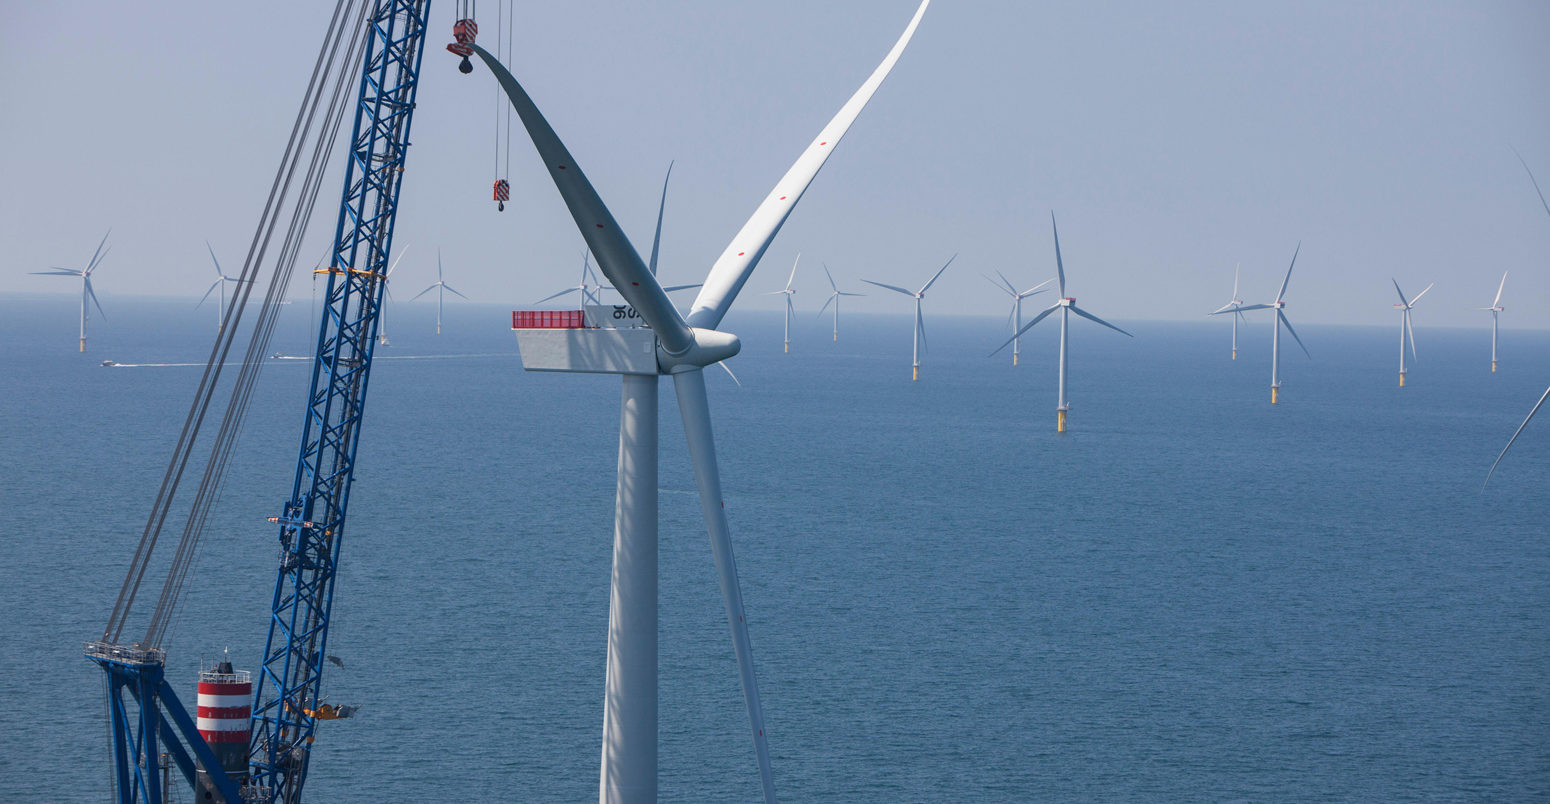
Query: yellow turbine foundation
(1493, 366)
(1060, 421)
(1235, 354)
(1275, 395)
(83, 347)
(836, 337)
(788, 348)
(1014, 360)
(1401, 379)
(916, 375)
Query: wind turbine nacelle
(609, 339)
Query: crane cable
(279, 190)
(252, 365)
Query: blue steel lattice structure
(313, 520)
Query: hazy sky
(1173, 140)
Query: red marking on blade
(782, 198)
(636, 284)
(741, 253)
(562, 167)
(600, 226)
(823, 143)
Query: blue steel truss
(155, 722)
(312, 521)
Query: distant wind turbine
(1405, 329)
(920, 322)
(1546, 394)
(220, 312)
(788, 292)
(588, 287)
(1279, 306)
(1233, 307)
(835, 298)
(387, 296)
(1496, 310)
(85, 275)
(439, 286)
(1066, 306)
(1015, 316)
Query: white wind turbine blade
(1498, 301)
(1419, 295)
(1036, 288)
(736, 263)
(452, 290)
(793, 278)
(218, 271)
(1536, 189)
(97, 255)
(1006, 282)
(832, 286)
(999, 283)
(1060, 267)
(894, 288)
(1235, 271)
(546, 298)
(1410, 331)
(1230, 309)
(728, 370)
(64, 272)
(620, 262)
(1026, 327)
(1288, 323)
(1090, 317)
(425, 291)
(672, 288)
(213, 286)
(1288, 279)
(695, 408)
(830, 300)
(93, 295)
(1405, 303)
(390, 269)
(656, 239)
(937, 274)
(1514, 438)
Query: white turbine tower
(1233, 307)
(387, 296)
(1405, 330)
(1281, 320)
(85, 275)
(1496, 309)
(1014, 318)
(788, 292)
(440, 285)
(683, 348)
(835, 299)
(920, 321)
(1066, 306)
(1546, 394)
(220, 282)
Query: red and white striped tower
(225, 712)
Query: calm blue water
(1192, 596)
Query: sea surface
(1190, 596)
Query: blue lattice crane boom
(223, 751)
(313, 520)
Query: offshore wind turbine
(1279, 306)
(1066, 306)
(439, 285)
(788, 292)
(1015, 316)
(684, 347)
(85, 275)
(835, 298)
(1405, 329)
(220, 282)
(587, 289)
(1546, 394)
(387, 296)
(920, 321)
(1234, 307)
(1496, 309)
